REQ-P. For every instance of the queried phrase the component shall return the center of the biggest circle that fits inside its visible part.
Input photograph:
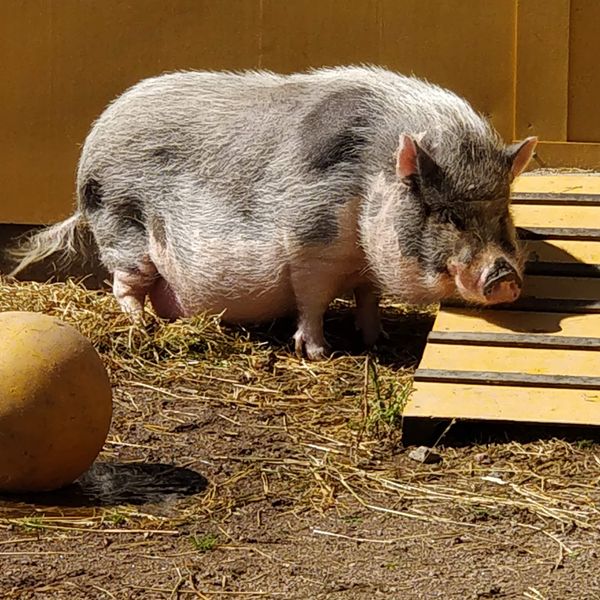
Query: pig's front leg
(314, 291)
(309, 337)
(367, 318)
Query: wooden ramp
(537, 360)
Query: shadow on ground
(402, 347)
(557, 263)
(112, 484)
(466, 433)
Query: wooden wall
(530, 65)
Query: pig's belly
(246, 291)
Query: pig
(255, 195)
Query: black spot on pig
(91, 195)
(334, 132)
(321, 229)
(344, 147)
(158, 231)
(162, 155)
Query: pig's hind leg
(122, 240)
(132, 285)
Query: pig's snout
(502, 283)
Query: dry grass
(340, 421)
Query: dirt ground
(235, 470)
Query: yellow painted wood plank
(66, 59)
(507, 403)
(564, 251)
(497, 321)
(542, 64)
(542, 286)
(567, 155)
(539, 215)
(304, 33)
(584, 79)
(532, 361)
(427, 38)
(558, 184)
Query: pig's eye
(456, 221)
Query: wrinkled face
(470, 249)
(434, 235)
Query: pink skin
(315, 284)
(131, 289)
(470, 281)
(309, 280)
(164, 301)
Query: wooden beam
(568, 325)
(514, 340)
(531, 215)
(508, 359)
(559, 183)
(567, 154)
(563, 251)
(558, 233)
(584, 79)
(504, 403)
(581, 382)
(547, 198)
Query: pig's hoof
(316, 352)
(137, 318)
(312, 350)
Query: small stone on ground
(426, 455)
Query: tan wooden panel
(539, 215)
(413, 37)
(64, 60)
(454, 43)
(584, 79)
(495, 321)
(564, 251)
(533, 361)
(297, 34)
(506, 403)
(561, 287)
(558, 184)
(542, 67)
(567, 155)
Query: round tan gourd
(55, 403)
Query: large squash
(55, 403)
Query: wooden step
(537, 360)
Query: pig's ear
(412, 160)
(406, 157)
(520, 154)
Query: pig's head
(440, 229)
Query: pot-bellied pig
(256, 195)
